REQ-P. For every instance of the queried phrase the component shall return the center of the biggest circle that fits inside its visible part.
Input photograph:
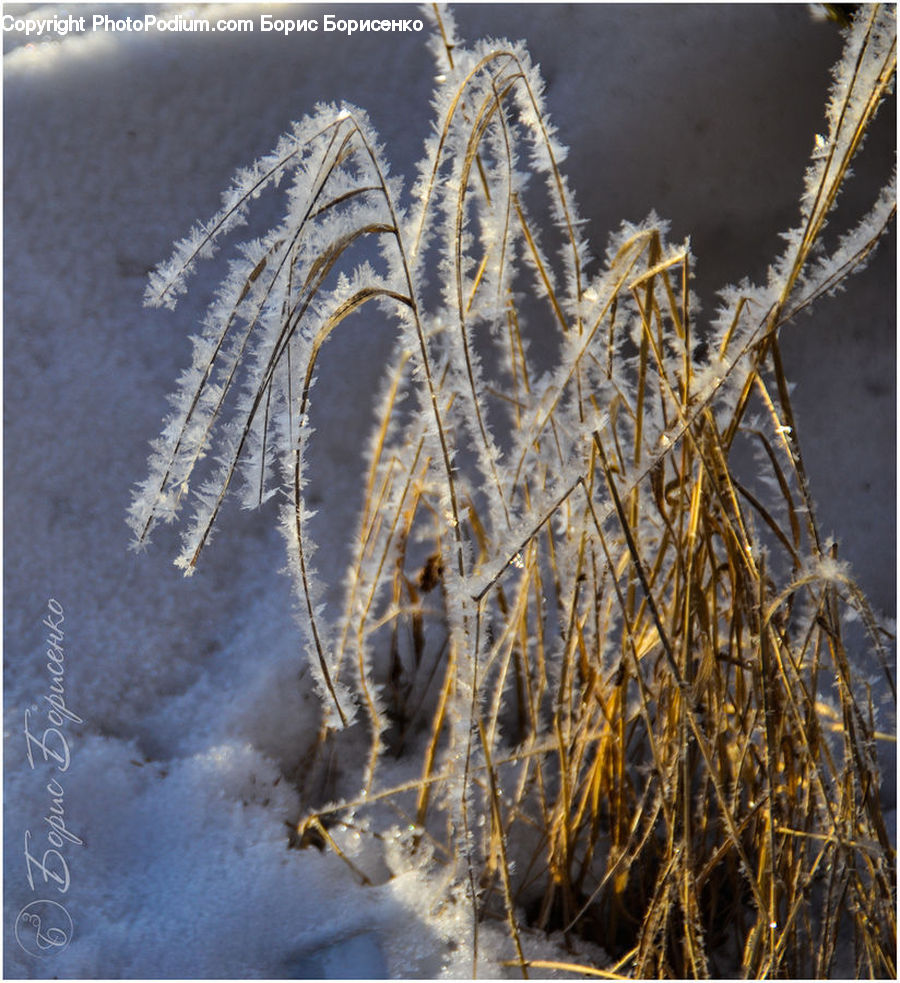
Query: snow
(195, 701)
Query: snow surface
(195, 705)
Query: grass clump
(602, 674)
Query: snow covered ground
(191, 702)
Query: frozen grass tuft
(602, 674)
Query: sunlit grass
(602, 671)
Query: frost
(526, 536)
(830, 570)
